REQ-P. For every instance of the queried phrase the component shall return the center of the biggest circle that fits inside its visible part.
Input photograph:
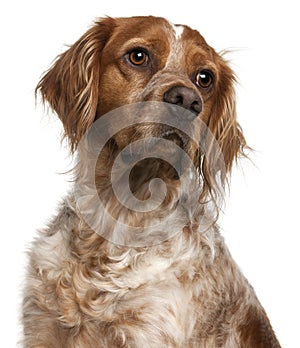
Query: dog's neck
(141, 213)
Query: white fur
(176, 49)
(178, 29)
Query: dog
(151, 270)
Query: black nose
(184, 97)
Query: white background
(261, 220)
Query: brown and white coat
(82, 290)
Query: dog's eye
(204, 79)
(138, 57)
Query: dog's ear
(223, 121)
(71, 85)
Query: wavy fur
(83, 290)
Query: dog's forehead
(178, 30)
(175, 30)
(184, 42)
(155, 28)
(172, 41)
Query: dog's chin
(149, 168)
(161, 157)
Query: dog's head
(121, 61)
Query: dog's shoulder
(52, 245)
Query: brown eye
(204, 79)
(138, 57)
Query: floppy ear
(225, 131)
(71, 85)
(223, 122)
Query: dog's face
(145, 58)
(148, 59)
(127, 60)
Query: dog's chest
(143, 297)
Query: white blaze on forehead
(178, 30)
(175, 40)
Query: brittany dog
(134, 257)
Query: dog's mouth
(160, 156)
(165, 145)
(176, 137)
